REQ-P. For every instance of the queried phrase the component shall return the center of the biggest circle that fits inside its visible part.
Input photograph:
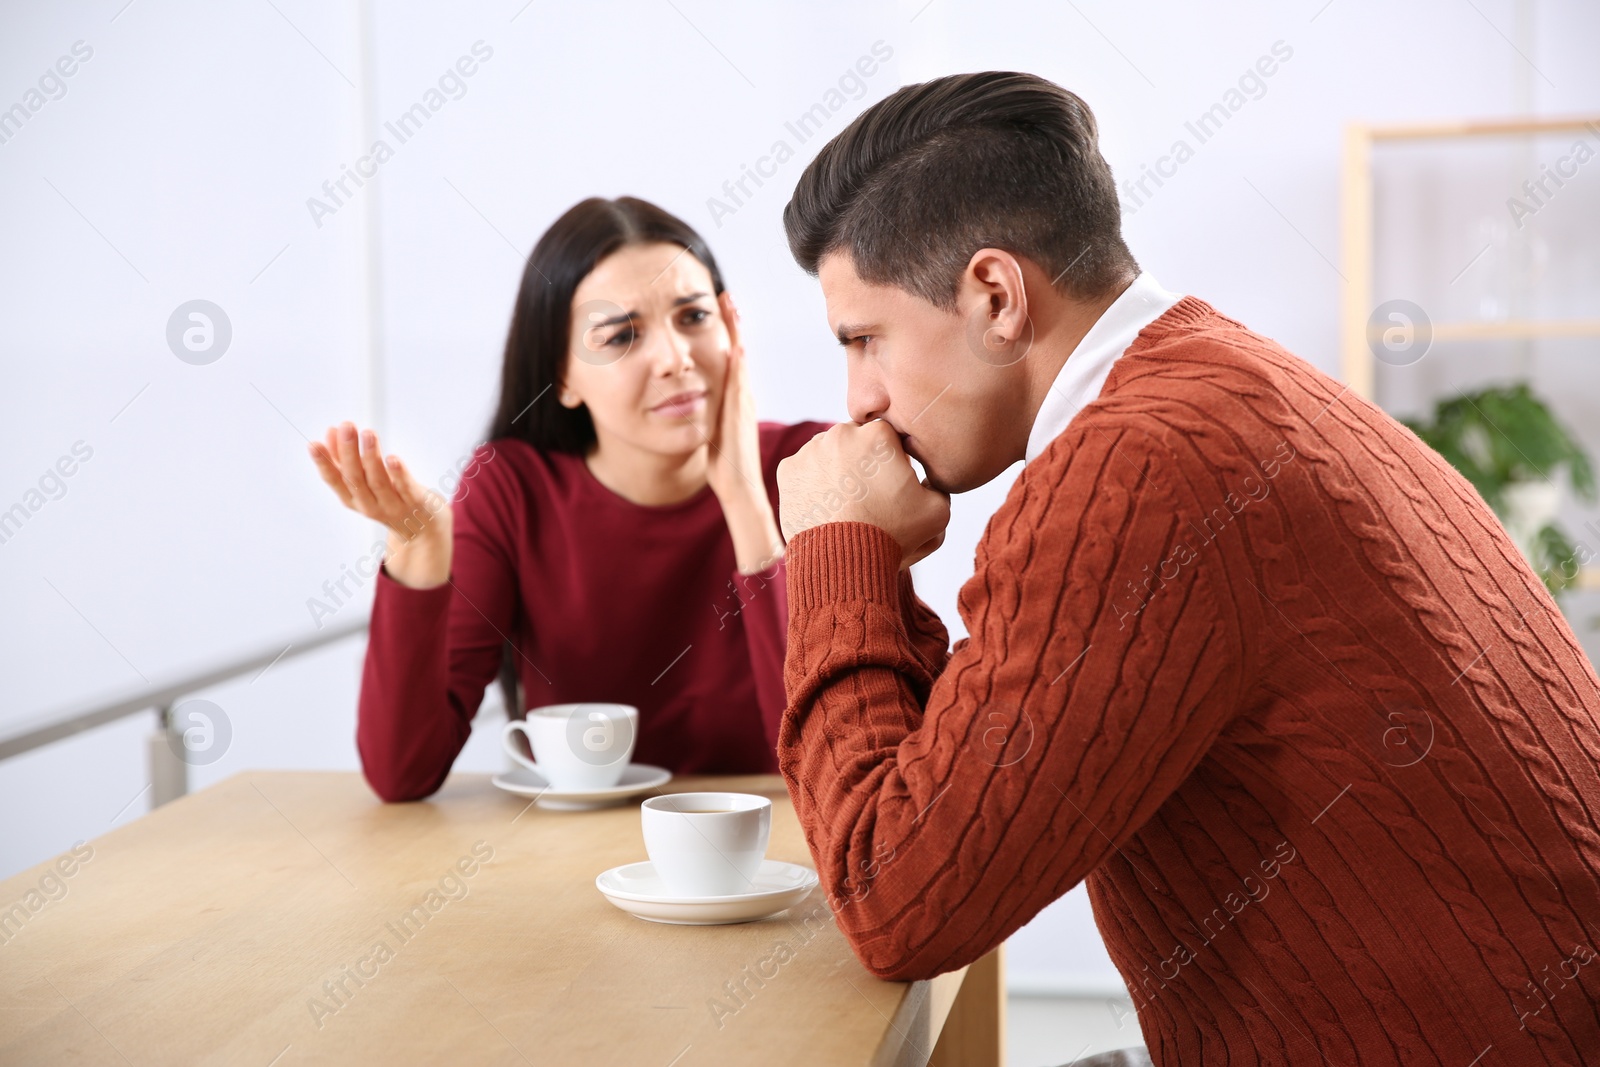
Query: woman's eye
(695, 316)
(621, 337)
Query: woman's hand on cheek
(733, 466)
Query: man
(1244, 655)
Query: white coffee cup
(707, 844)
(577, 746)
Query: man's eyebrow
(628, 316)
(848, 331)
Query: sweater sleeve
(765, 610)
(766, 627)
(431, 653)
(761, 599)
(924, 629)
(945, 809)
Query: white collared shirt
(1084, 373)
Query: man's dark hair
(927, 176)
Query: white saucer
(527, 782)
(637, 890)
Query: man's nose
(865, 397)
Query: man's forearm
(924, 628)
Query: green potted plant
(1511, 448)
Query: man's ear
(993, 296)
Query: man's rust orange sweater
(1265, 671)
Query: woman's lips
(681, 406)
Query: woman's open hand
(419, 521)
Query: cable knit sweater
(1265, 672)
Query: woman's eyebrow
(628, 316)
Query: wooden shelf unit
(1356, 358)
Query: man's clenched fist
(851, 473)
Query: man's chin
(951, 482)
(935, 479)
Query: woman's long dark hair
(536, 346)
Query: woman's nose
(672, 354)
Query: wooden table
(243, 924)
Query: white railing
(169, 773)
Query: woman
(614, 539)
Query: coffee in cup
(707, 844)
(577, 746)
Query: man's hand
(853, 473)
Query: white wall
(179, 162)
